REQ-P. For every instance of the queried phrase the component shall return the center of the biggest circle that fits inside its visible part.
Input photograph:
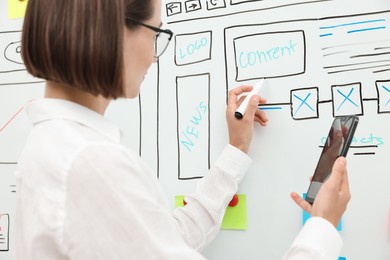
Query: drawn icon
(10, 47)
(12, 52)
(304, 103)
(173, 8)
(347, 99)
(193, 5)
(215, 4)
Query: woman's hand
(333, 197)
(241, 130)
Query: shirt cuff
(320, 236)
(234, 162)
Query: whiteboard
(321, 58)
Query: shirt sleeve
(318, 240)
(200, 220)
(114, 210)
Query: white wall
(194, 83)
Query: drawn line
(381, 48)
(378, 71)
(367, 29)
(189, 178)
(21, 83)
(354, 64)
(8, 163)
(354, 23)
(15, 115)
(325, 101)
(325, 35)
(369, 55)
(363, 146)
(270, 108)
(358, 146)
(352, 44)
(370, 99)
(388, 90)
(363, 68)
(16, 70)
(334, 53)
(364, 154)
(275, 104)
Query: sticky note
(17, 8)
(235, 217)
(342, 258)
(306, 216)
(179, 201)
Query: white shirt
(83, 195)
(318, 240)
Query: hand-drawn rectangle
(192, 5)
(304, 103)
(347, 99)
(383, 89)
(270, 55)
(173, 8)
(193, 125)
(193, 48)
(215, 4)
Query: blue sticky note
(342, 258)
(306, 216)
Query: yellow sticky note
(179, 201)
(16, 8)
(235, 217)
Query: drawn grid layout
(321, 59)
(318, 65)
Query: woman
(81, 194)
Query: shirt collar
(48, 108)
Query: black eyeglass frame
(155, 29)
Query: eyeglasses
(162, 38)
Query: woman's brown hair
(80, 42)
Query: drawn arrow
(171, 7)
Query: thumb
(252, 106)
(339, 170)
